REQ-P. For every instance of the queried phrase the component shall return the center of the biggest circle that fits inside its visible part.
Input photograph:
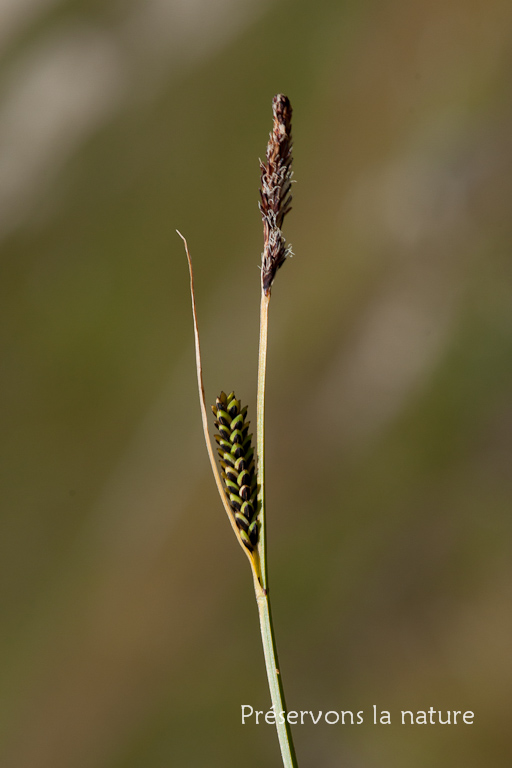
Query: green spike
(237, 463)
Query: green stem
(262, 591)
(260, 438)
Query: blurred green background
(129, 632)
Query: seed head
(237, 465)
(276, 198)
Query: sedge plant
(240, 473)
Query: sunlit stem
(262, 592)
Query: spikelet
(275, 191)
(237, 465)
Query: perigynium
(241, 479)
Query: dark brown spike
(275, 192)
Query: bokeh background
(129, 633)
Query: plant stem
(262, 591)
(260, 437)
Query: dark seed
(223, 417)
(237, 422)
(236, 501)
(244, 478)
(232, 474)
(236, 436)
(241, 521)
(253, 532)
(240, 463)
(246, 540)
(247, 509)
(228, 458)
(231, 486)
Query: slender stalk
(262, 592)
(260, 434)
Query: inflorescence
(275, 192)
(237, 464)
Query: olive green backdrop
(129, 634)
